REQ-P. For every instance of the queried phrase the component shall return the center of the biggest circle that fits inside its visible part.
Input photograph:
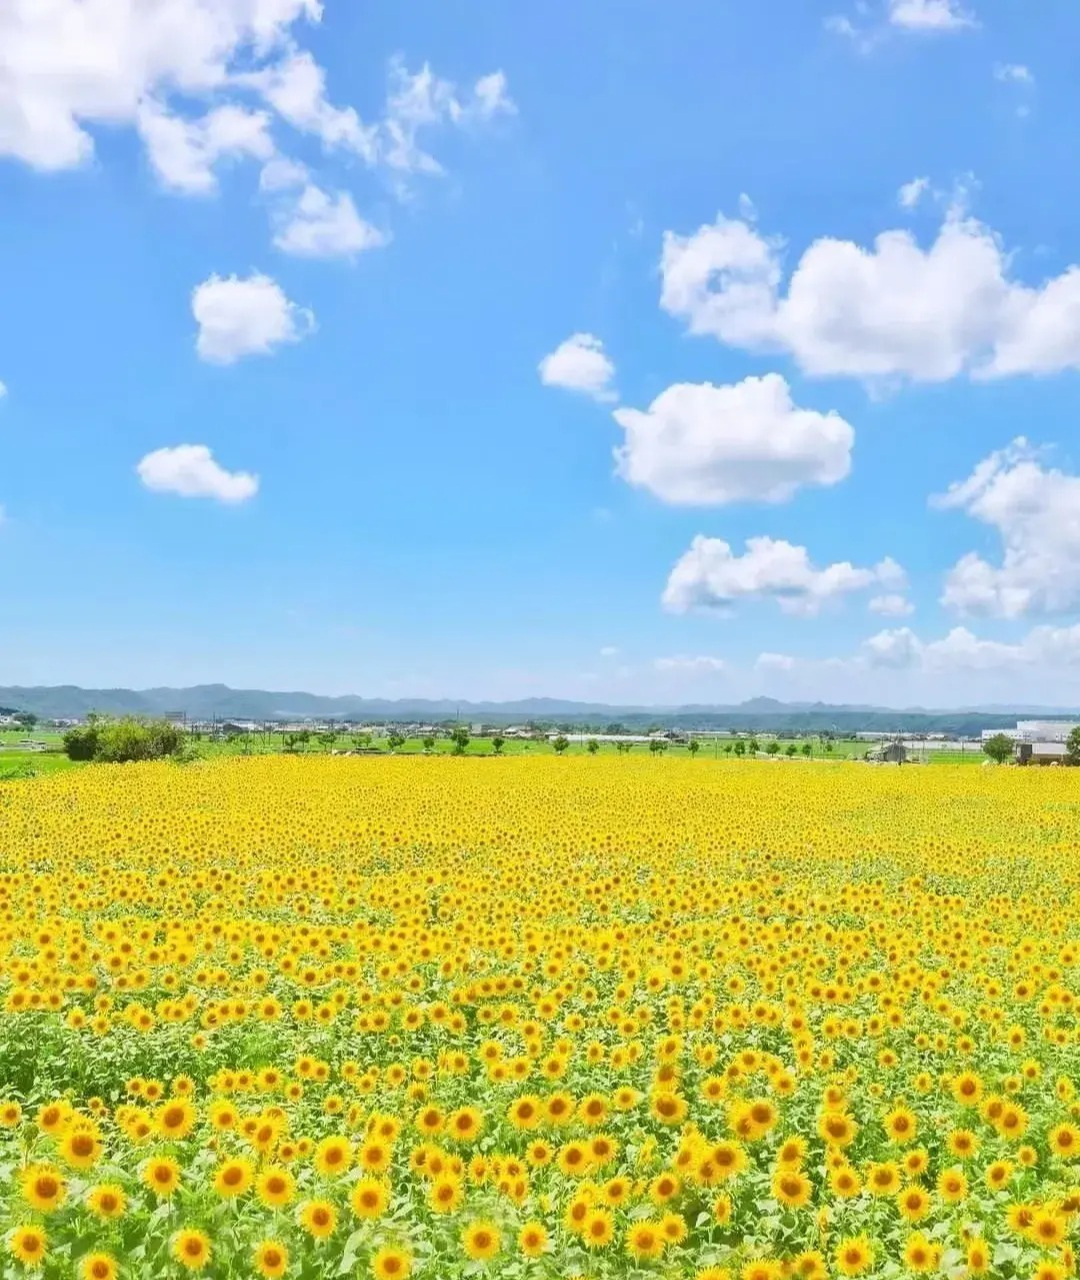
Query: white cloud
(711, 576)
(1036, 512)
(892, 605)
(609, 651)
(775, 662)
(702, 444)
(295, 87)
(239, 317)
(190, 471)
(893, 310)
(1013, 73)
(318, 225)
(580, 364)
(962, 651)
(912, 192)
(3, 390)
(184, 152)
(684, 665)
(282, 174)
(67, 65)
(422, 101)
(929, 15)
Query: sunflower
(978, 1258)
(43, 1187)
(271, 1258)
(80, 1148)
(791, 1188)
(952, 1185)
(481, 1241)
(107, 1200)
(913, 1203)
(533, 1239)
(191, 1248)
(318, 1218)
(901, 1125)
(920, 1254)
(598, 1229)
(233, 1177)
(175, 1119)
(275, 1186)
(98, 1266)
(333, 1156)
(1064, 1141)
(369, 1198)
(883, 1179)
(446, 1193)
(853, 1256)
(391, 1264)
(645, 1239)
(28, 1244)
(162, 1175)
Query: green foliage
(395, 741)
(792, 749)
(808, 749)
(560, 744)
(592, 746)
(497, 744)
(1000, 748)
(122, 741)
(739, 748)
(428, 743)
(460, 738)
(773, 748)
(81, 742)
(694, 747)
(1072, 746)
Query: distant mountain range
(218, 701)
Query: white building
(1044, 730)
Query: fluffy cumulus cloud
(699, 444)
(1050, 648)
(891, 605)
(185, 152)
(929, 15)
(204, 82)
(245, 316)
(190, 471)
(711, 575)
(912, 192)
(1036, 512)
(580, 364)
(700, 664)
(316, 224)
(888, 311)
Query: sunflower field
(618, 1017)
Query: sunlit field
(612, 1017)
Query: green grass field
(16, 762)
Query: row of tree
(1000, 747)
(124, 740)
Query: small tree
(773, 748)
(26, 718)
(808, 749)
(395, 742)
(497, 744)
(754, 746)
(694, 747)
(739, 747)
(592, 746)
(657, 746)
(829, 746)
(623, 747)
(81, 742)
(1072, 747)
(460, 739)
(361, 740)
(792, 749)
(560, 744)
(428, 743)
(1000, 748)
(330, 737)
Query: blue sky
(403, 279)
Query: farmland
(613, 1017)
